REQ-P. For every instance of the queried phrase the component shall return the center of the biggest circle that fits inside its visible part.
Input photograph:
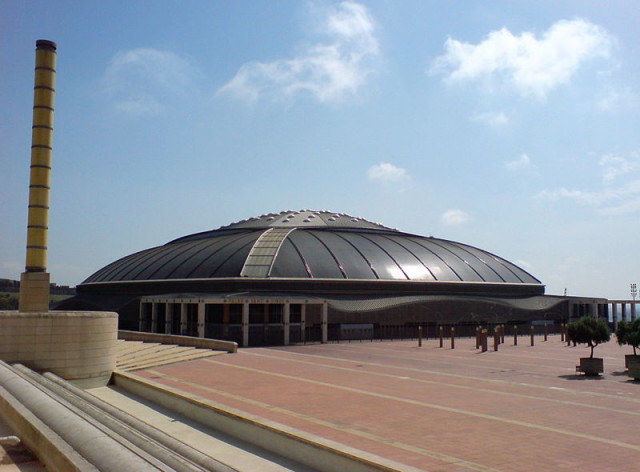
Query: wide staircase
(136, 355)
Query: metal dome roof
(310, 244)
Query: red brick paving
(519, 409)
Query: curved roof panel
(310, 244)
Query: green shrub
(621, 333)
(8, 301)
(629, 333)
(589, 331)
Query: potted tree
(629, 333)
(591, 332)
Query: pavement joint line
(482, 366)
(485, 416)
(463, 387)
(372, 437)
(437, 351)
(448, 374)
(498, 356)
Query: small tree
(589, 331)
(629, 333)
(621, 334)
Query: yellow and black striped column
(34, 293)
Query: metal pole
(34, 286)
(533, 332)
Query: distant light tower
(634, 292)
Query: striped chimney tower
(34, 282)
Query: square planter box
(630, 359)
(634, 371)
(591, 365)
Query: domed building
(312, 275)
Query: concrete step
(135, 355)
(169, 360)
(164, 352)
(126, 347)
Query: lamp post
(634, 292)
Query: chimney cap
(46, 44)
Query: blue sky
(510, 126)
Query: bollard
(562, 332)
(496, 338)
(484, 340)
(533, 331)
(419, 336)
(478, 331)
(546, 331)
(453, 337)
(441, 336)
(502, 334)
(515, 335)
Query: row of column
(623, 306)
(184, 306)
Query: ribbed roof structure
(310, 244)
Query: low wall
(77, 346)
(189, 341)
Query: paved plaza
(522, 408)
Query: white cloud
(615, 98)
(610, 200)
(533, 66)
(387, 174)
(521, 163)
(614, 197)
(616, 166)
(140, 80)
(493, 119)
(328, 71)
(139, 106)
(455, 217)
